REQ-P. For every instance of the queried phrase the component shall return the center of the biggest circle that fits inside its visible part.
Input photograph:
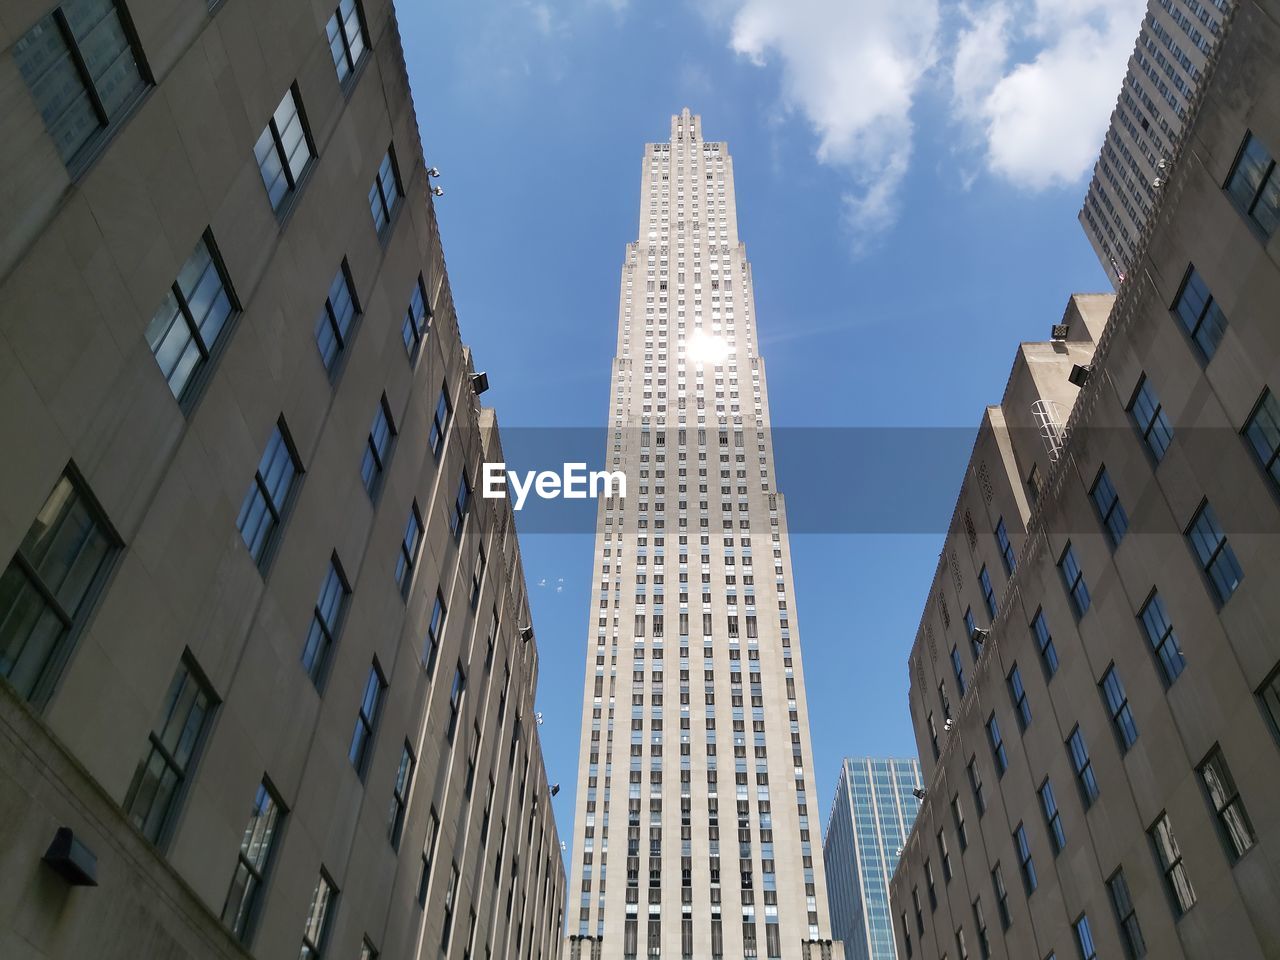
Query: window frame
(1114, 519)
(367, 716)
(1169, 868)
(390, 208)
(293, 182)
(1158, 418)
(318, 669)
(281, 512)
(314, 949)
(1159, 639)
(1221, 551)
(401, 793)
(1247, 210)
(1269, 404)
(380, 459)
(355, 65)
(1194, 328)
(328, 320)
(1081, 600)
(1225, 833)
(1115, 712)
(259, 875)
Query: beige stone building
(268, 668)
(1095, 685)
(696, 830)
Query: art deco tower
(696, 833)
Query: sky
(908, 176)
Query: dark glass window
(319, 918)
(461, 506)
(385, 194)
(1216, 557)
(263, 511)
(1006, 548)
(988, 594)
(189, 324)
(1044, 643)
(1200, 314)
(1169, 856)
(1002, 897)
(1254, 185)
(283, 151)
(997, 745)
(945, 855)
(1083, 767)
(1052, 817)
(477, 577)
(958, 668)
(172, 751)
(456, 694)
(1269, 696)
(346, 36)
(1164, 642)
(336, 319)
(957, 818)
(84, 71)
(975, 783)
(428, 856)
(367, 720)
(46, 592)
(435, 634)
(1131, 932)
(1233, 820)
(417, 319)
(1073, 579)
(1084, 939)
(256, 849)
(326, 620)
(1110, 511)
(1025, 863)
(440, 421)
(1018, 694)
(400, 795)
(1149, 415)
(409, 550)
(1263, 433)
(450, 907)
(377, 449)
(1118, 707)
(971, 628)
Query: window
(1131, 932)
(172, 751)
(958, 668)
(1018, 694)
(417, 319)
(1025, 863)
(461, 505)
(1164, 642)
(450, 907)
(1200, 314)
(1269, 696)
(189, 325)
(1118, 707)
(997, 746)
(945, 854)
(1110, 512)
(385, 194)
(933, 890)
(256, 847)
(409, 550)
(366, 720)
(1149, 416)
(1073, 579)
(377, 449)
(84, 71)
(988, 594)
(980, 924)
(284, 151)
(1083, 767)
(1263, 433)
(319, 915)
(47, 591)
(962, 950)
(435, 634)
(1254, 186)
(975, 783)
(345, 32)
(1044, 643)
(368, 951)
(428, 856)
(336, 318)
(1052, 817)
(1002, 897)
(455, 699)
(440, 421)
(263, 510)
(400, 795)
(477, 578)
(975, 640)
(1233, 821)
(1084, 939)
(1006, 548)
(957, 817)
(325, 621)
(1169, 856)
(1216, 557)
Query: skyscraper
(871, 815)
(695, 755)
(1167, 65)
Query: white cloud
(1041, 117)
(853, 71)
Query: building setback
(1100, 741)
(697, 766)
(263, 655)
(1175, 41)
(871, 815)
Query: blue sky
(909, 208)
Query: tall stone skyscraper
(695, 758)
